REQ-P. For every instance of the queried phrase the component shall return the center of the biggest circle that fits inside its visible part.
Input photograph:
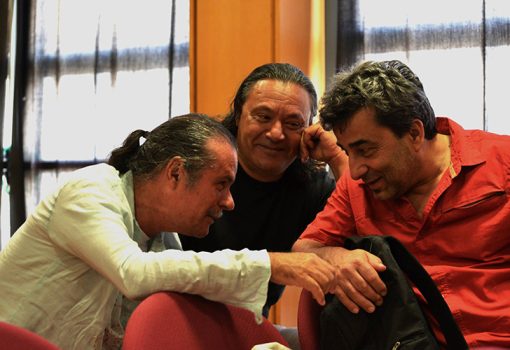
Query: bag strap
(422, 280)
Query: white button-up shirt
(62, 271)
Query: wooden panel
(300, 37)
(292, 35)
(285, 311)
(231, 38)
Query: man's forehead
(357, 131)
(348, 143)
(224, 153)
(219, 170)
(272, 88)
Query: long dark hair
(283, 72)
(286, 73)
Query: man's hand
(359, 284)
(305, 270)
(319, 144)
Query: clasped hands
(353, 276)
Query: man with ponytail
(64, 272)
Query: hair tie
(143, 138)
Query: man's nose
(228, 202)
(357, 168)
(275, 133)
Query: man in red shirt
(441, 190)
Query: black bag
(399, 322)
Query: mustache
(369, 178)
(216, 215)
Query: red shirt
(462, 239)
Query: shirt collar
(460, 154)
(127, 185)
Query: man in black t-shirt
(282, 181)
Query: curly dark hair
(390, 87)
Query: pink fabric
(183, 321)
(308, 321)
(16, 338)
(462, 239)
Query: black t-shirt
(266, 216)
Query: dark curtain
(4, 53)
(349, 34)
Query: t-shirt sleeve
(316, 195)
(324, 190)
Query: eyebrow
(353, 144)
(261, 108)
(358, 143)
(297, 116)
(227, 178)
(265, 108)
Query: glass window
(98, 70)
(458, 48)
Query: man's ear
(417, 133)
(174, 170)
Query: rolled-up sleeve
(90, 227)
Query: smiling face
(204, 199)
(273, 118)
(387, 164)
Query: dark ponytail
(121, 156)
(184, 136)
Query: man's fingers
(372, 284)
(360, 282)
(305, 270)
(313, 287)
(309, 140)
(323, 273)
(359, 296)
(325, 281)
(303, 147)
(346, 301)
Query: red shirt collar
(460, 155)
